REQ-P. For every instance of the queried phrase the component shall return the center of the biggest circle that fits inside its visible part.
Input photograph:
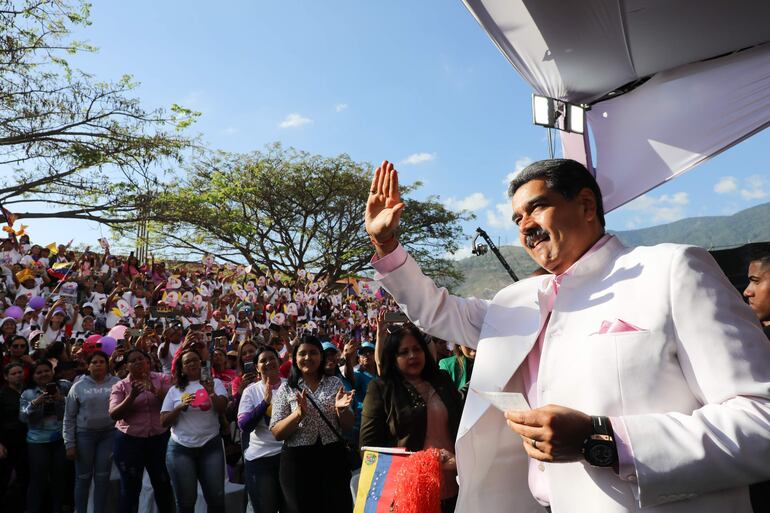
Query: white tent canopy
(669, 84)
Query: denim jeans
(132, 455)
(47, 466)
(189, 466)
(263, 484)
(94, 459)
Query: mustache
(534, 235)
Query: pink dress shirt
(538, 482)
(143, 419)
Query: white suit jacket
(692, 387)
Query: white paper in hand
(505, 401)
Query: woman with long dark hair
(140, 438)
(413, 404)
(42, 408)
(299, 409)
(262, 454)
(195, 454)
(13, 440)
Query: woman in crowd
(414, 405)
(195, 455)
(7, 330)
(42, 408)
(263, 453)
(54, 326)
(18, 353)
(140, 439)
(13, 440)
(219, 368)
(298, 407)
(459, 365)
(89, 432)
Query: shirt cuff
(626, 465)
(389, 262)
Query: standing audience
(13, 441)
(89, 432)
(314, 471)
(140, 438)
(42, 408)
(195, 454)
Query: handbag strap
(328, 423)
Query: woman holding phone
(263, 452)
(42, 408)
(195, 454)
(140, 438)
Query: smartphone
(134, 333)
(51, 388)
(249, 367)
(205, 374)
(219, 333)
(396, 318)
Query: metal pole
(496, 251)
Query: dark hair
(389, 368)
(135, 350)
(7, 368)
(17, 337)
(56, 350)
(760, 253)
(565, 176)
(296, 374)
(37, 364)
(266, 349)
(180, 379)
(98, 353)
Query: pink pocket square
(616, 326)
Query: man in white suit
(648, 377)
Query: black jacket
(394, 414)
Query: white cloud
(462, 252)
(517, 167)
(662, 209)
(726, 184)
(500, 217)
(340, 107)
(294, 120)
(418, 158)
(755, 188)
(472, 202)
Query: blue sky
(418, 83)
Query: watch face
(601, 455)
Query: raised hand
(384, 206)
(343, 399)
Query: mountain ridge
(484, 275)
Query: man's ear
(588, 202)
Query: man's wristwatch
(599, 449)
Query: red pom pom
(418, 484)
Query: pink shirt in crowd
(538, 483)
(143, 418)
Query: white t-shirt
(262, 443)
(198, 424)
(24, 291)
(166, 361)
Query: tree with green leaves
(86, 148)
(283, 209)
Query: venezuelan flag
(377, 483)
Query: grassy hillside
(484, 275)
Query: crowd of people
(202, 373)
